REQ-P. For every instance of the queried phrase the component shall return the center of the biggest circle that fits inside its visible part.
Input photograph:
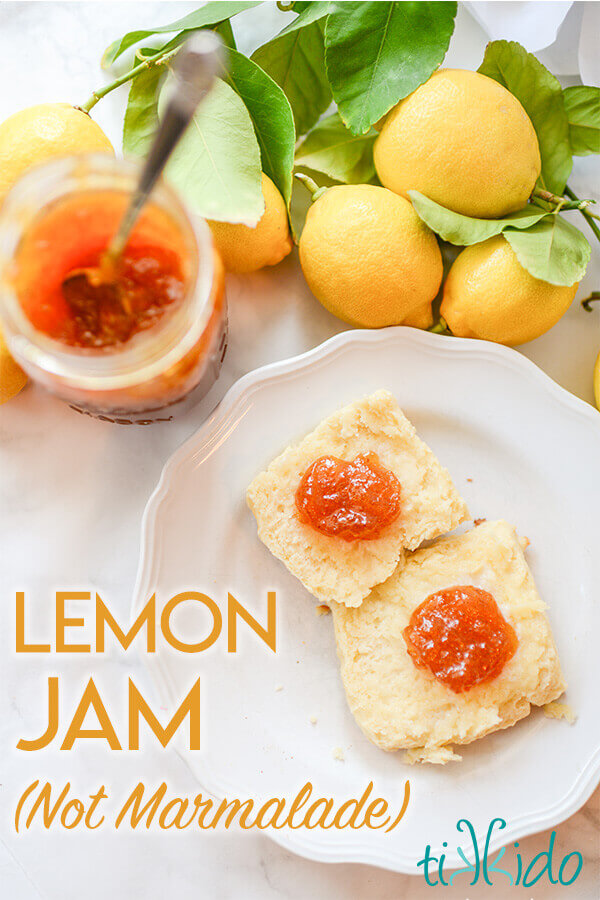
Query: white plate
(518, 447)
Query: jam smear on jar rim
(460, 635)
(352, 500)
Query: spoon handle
(195, 68)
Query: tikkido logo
(513, 873)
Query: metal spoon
(194, 68)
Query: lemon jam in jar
(136, 348)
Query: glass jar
(159, 369)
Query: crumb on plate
(558, 710)
(436, 755)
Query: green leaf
(225, 31)
(309, 13)
(216, 165)
(271, 114)
(540, 94)
(552, 250)
(210, 14)
(378, 53)
(141, 113)
(582, 104)
(464, 230)
(332, 149)
(295, 60)
(301, 5)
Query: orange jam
(71, 234)
(354, 500)
(461, 636)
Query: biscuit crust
(334, 570)
(400, 706)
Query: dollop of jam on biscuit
(461, 636)
(353, 500)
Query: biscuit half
(400, 706)
(334, 570)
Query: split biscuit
(338, 571)
(400, 706)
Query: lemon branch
(574, 202)
(157, 59)
(561, 204)
(589, 216)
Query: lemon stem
(311, 185)
(587, 303)
(440, 327)
(157, 60)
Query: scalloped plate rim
(530, 823)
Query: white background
(72, 492)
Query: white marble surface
(72, 491)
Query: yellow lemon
(12, 378)
(369, 258)
(488, 294)
(597, 381)
(464, 141)
(40, 133)
(246, 249)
